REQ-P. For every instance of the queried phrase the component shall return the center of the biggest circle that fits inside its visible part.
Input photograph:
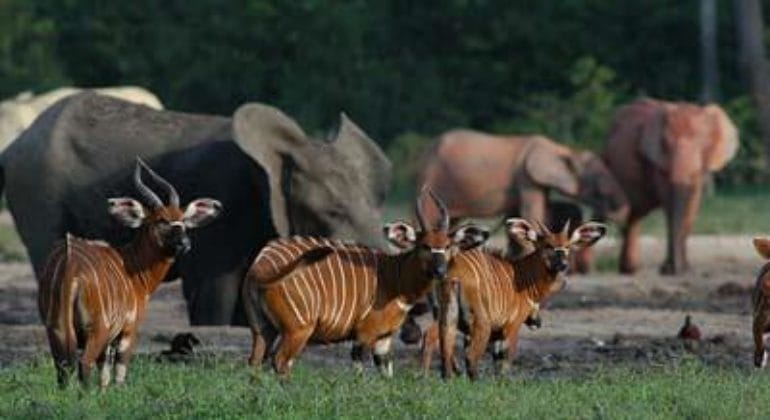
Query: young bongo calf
(321, 291)
(93, 296)
(761, 302)
(496, 294)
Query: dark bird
(181, 347)
(689, 331)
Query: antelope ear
(520, 229)
(127, 211)
(400, 234)
(587, 234)
(201, 212)
(762, 245)
(470, 236)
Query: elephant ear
(270, 137)
(365, 156)
(724, 139)
(550, 166)
(651, 140)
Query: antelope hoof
(669, 268)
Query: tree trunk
(708, 50)
(748, 15)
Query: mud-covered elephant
(17, 113)
(483, 175)
(660, 153)
(271, 178)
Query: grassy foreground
(225, 389)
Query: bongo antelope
(93, 296)
(320, 291)
(488, 295)
(761, 302)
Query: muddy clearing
(600, 320)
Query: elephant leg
(583, 260)
(213, 299)
(533, 204)
(681, 211)
(629, 257)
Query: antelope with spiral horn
(93, 296)
(311, 290)
(488, 295)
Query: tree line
(404, 70)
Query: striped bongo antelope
(320, 291)
(488, 295)
(761, 302)
(93, 296)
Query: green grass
(733, 211)
(225, 389)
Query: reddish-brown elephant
(660, 153)
(483, 175)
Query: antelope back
(327, 284)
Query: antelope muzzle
(559, 261)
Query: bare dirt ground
(600, 320)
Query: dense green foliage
(225, 389)
(555, 67)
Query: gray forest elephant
(269, 176)
(661, 152)
(17, 113)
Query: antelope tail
(270, 276)
(67, 294)
(250, 304)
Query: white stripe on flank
(291, 248)
(94, 279)
(271, 261)
(354, 296)
(291, 303)
(333, 281)
(495, 284)
(343, 297)
(279, 253)
(304, 293)
(325, 297)
(476, 273)
(53, 284)
(365, 269)
(492, 298)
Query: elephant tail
(762, 245)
